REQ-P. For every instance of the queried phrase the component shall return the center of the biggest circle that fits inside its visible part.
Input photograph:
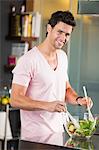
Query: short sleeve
(22, 73)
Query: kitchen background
(82, 50)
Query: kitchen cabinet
(9, 127)
(10, 120)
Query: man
(40, 86)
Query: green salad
(97, 122)
(86, 128)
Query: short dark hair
(63, 16)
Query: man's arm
(72, 97)
(21, 101)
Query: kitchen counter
(59, 141)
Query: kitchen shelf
(20, 38)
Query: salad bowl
(80, 144)
(85, 131)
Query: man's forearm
(26, 103)
(71, 96)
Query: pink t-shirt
(43, 83)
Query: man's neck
(46, 49)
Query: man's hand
(56, 106)
(85, 102)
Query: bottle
(5, 96)
(23, 8)
(13, 10)
(6, 91)
(12, 21)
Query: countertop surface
(59, 141)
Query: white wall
(84, 58)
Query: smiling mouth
(61, 43)
(65, 42)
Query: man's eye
(67, 34)
(60, 32)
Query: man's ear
(49, 28)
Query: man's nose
(63, 37)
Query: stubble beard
(58, 46)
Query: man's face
(59, 34)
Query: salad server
(88, 109)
